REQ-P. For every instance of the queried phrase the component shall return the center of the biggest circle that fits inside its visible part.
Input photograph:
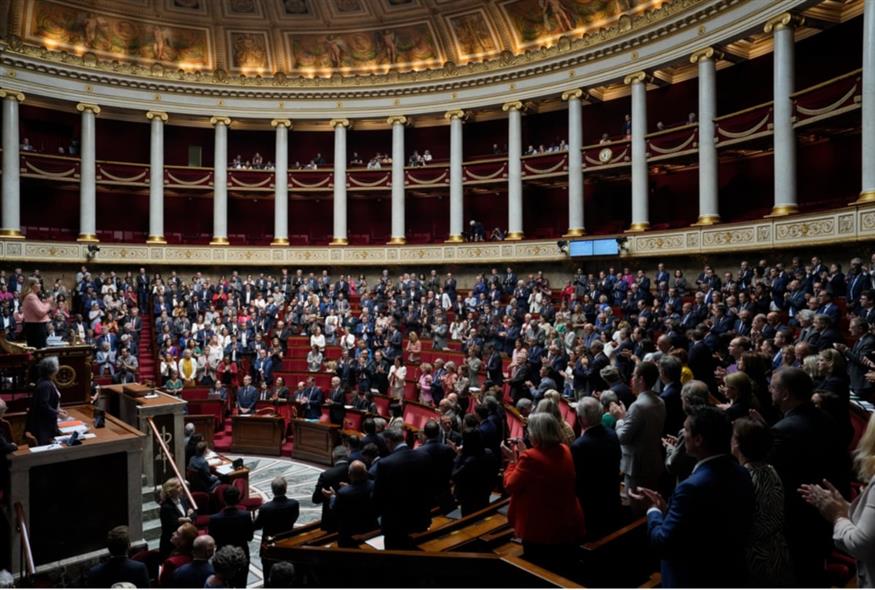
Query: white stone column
(281, 183)
(340, 235)
(709, 208)
(220, 181)
(156, 178)
(867, 194)
(87, 175)
(640, 197)
(457, 192)
(397, 234)
(575, 163)
(11, 197)
(514, 170)
(784, 136)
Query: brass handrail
(173, 466)
(26, 551)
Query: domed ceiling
(320, 38)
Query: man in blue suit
(700, 535)
(246, 397)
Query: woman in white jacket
(853, 524)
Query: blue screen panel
(581, 248)
(606, 247)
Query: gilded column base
(575, 232)
(11, 234)
(220, 241)
(638, 227)
(865, 197)
(396, 242)
(454, 239)
(783, 210)
(514, 236)
(339, 242)
(156, 240)
(88, 238)
(280, 242)
(707, 220)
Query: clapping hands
(655, 498)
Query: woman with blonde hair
(414, 347)
(424, 384)
(174, 512)
(738, 389)
(853, 523)
(550, 405)
(35, 314)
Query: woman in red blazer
(544, 510)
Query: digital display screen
(604, 247)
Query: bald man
(195, 573)
(354, 507)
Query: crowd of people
(724, 400)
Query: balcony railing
(832, 98)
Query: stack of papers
(42, 448)
(225, 469)
(64, 438)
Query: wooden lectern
(314, 441)
(71, 496)
(167, 413)
(262, 435)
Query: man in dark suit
(315, 399)
(118, 568)
(401, 499)
(702, 533)
(354, 508)
(807, 448)
(857, 356)
(442, 459)
(329, 483)
(493, 367)
(369, 427)
(701, 361)
(195, 573)
(595, 365)
(246, 397)
(277, 516)
(596, 456)
(233, 526)
(670, 375)
(337, 400)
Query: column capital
(636, 77)
(152, 115)
(84, 106)
(456, 114)
(512, 106)
(570, 94)
(401, 119)
(785, 20)
(281, 123)
(217, 119)
(12, 94)
(704, 54)
(339, 123)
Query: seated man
(118, 568)
(199, 474)
(246, 397)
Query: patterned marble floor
(301, 479)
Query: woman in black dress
(45, 405)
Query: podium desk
(72, 496)
(314, 441)
(166, 411)
(262, 435)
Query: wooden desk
(74, 376)
(73, 495)
(204, 424)
(262, 435)
(314, 441)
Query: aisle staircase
(146, 356)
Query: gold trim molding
(569, 94)
(160, 115)
(706, 53)
(866, 197)
(156, 240)
(280, 242)
(397, 241)
(513, 105)
(456, 114)
(707, 220)
(220, 241)
(11, 234)
(575, 232)
(454, 239)
(216, 119)
(783, 210)
(638, 227)
(514, 236)
(87, 238)
(782, 21)
(334, 123)
(397, 119)
(339, 242)
(281, 123)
